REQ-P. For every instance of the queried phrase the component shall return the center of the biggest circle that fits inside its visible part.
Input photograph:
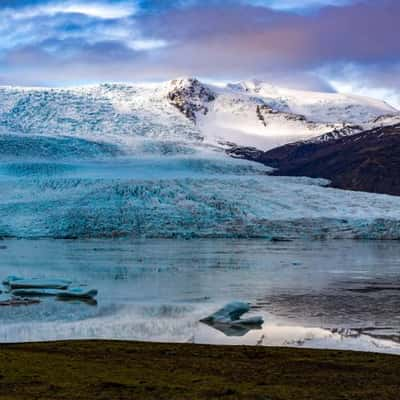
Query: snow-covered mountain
(151, 160)
(319, 106)
(185, 111)
(264, 116)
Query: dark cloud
(364, 33)
(285, 47)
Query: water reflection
(233, 330)
(89, 302)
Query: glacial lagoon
(321, 294)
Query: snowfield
(148, 161)
(318, 106)
(248, 113)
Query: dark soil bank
(131, 370)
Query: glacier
(149, 160)
(183, 197)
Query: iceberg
(231, 314)
(10, 279)
(36, 283)
(21, 287)
(36, 292)
(76, 293)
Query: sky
(349, 46)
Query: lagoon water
(324, 294)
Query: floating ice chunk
(11, 278)
(36, 292)
(256, 320)
(20, 283)
(76, 293)
(231, 314)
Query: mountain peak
(184, 81)
(190, 96)
(251, 85)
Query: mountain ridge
(181, 109)
(367, 161)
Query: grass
(133, 370)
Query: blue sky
(346, 45)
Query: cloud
(43, 25)
(381, 81)
(286, 5)
(104, 11)
(97, 9)
(318, 44)
(297, 5)
(255, 40)
(30, 24)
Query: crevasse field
(196, 195)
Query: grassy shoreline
(134, 370)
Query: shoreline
(106, 369)
(132, 238)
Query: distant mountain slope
(367, 161)
(124, 115)
(319, 106)
(264, 116)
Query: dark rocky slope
(368, 161)
(190, 96)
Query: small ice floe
(75, 293)
(35, 292)
(231, 313)
(15, 282)
(22, 290)
(78, 293)
(10, 278)
(228, 319)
